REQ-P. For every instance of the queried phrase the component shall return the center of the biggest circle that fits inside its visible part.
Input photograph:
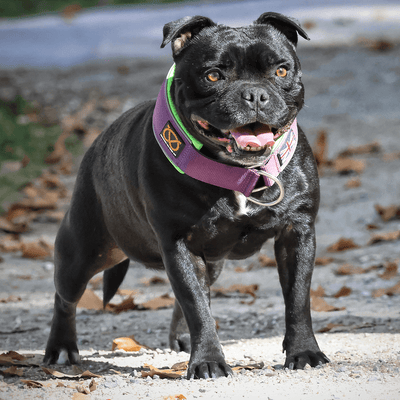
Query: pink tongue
(244, 139)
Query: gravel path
(354, 107)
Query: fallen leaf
(92, 385)
(57, 374)
(243, 289)
(126, 343)
(127, 292)
(390, 271)
(96, 282)
(389, 292)
(90, 301)
(10, 243)
(372, 227)
(265, 261)
(162, 373)
(388, 213)
(323, 260)
(320, 292)
(343, 244)
(125, 305)
(11, 299)
(13, 371)
(80, 396)
(164, 301)
(180, 366)
(384, 237)
(248, 367)
(348, 269)
(175, 397)
(319, 304)
(369, 148)
(353, 183)
(342, 292)
(11, 356)
(320, 148)
(329, 327)
(37, 250)
(10, 227)
(155, 280)
(380, 45)
(345, 165)
(32, 384)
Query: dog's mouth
(251, 138)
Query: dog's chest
(236, 234)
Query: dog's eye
(281, 72)
(214, 76)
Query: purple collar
(182, 151)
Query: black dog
(180, 198)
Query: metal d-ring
(277, 181)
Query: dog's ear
(180, 32)
(288, 26)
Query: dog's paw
(61, 355)
(209, 369)
(300, 360)
(180, 343)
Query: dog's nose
(256, 98)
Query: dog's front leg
(295, 253)
(188, 276)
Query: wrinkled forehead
(253, 45)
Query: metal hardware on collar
(272, 203)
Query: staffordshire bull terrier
(210, 171)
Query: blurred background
(68, 69)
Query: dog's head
(236, 88)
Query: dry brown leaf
(92, 385)
(265, 261)
(369, 148)
(80, 396)
(384, 237)
(243, 289)
(11, 356)
(249, 367)
(37, 250)
(320, 148)
(323, 260)
(348, 269)
(126, 343)
(32, 384)
(155, 280)
(162, 373)
(71, 10)
(353, 183)
(388, 213)
(13, 371)
(175, 397)
(61, 375)
(96, 282)
(345, 165)
(180, 366)
(125, 305)
(11, 299)
(389, 292)
(319, 304)
(127, 292)
(319, 292)
(164, 301)
(372, 227)
(342, 292)
(343, 244)
(10, 227)
(390, 270)
(329, 327)
(90, 301)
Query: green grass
(30, 140)
(19, 8)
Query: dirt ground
(352, 120)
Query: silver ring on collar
(281, 193)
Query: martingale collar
(182, 150)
